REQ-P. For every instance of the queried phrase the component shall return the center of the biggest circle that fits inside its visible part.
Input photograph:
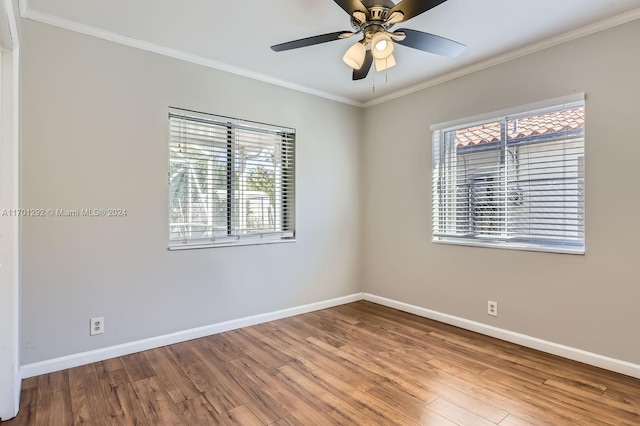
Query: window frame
(440, 153)
(286, 200)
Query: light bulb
(382, 45)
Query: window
(230, 181)
(516, 181)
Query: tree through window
(230, 180)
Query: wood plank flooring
(360, 363)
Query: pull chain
(386, 70)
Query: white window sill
(248, 242)
(511, 246)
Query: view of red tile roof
(543, 124)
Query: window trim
(234, 240)
(507, 243)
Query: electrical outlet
(492, 308)
(97, 326)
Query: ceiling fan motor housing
(386, 4)
(378, 13)
(376, 21)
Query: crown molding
(28, 13)
(509, 56)
(24, 6)
(173, 53)
(10, 19)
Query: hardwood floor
(360, 363)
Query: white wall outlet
(492, 308)
(97, 326)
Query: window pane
(198, 181)
(468, 171)
(229, 180)
(546, 173)
(514, 182)
(258, 171)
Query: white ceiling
(236, 35)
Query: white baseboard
(585, 357)
(75, 360)
(83, 358)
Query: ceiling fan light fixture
(381, 45)
(372, 21)
(386, 63)
(355, 56)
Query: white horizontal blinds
(546, 174)
(230, 180)
(263, 194)
(517, 181)
(198, 175)
(468, 199)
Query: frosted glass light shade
(381, 45)
(383, 64)
(355, 56)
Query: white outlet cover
(492, 308)
(96, 326)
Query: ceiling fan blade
(309, 41)
(431, 43)
(412, 8)
(347, 34)
(364, 69)
(351, 6)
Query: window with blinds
(513, 182)
(230, 181)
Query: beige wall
(95, 136)
(588, 302)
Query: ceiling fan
(374, 19)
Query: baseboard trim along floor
(75, 360)
(83, 358)
(568, 352)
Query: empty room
(320, 212)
